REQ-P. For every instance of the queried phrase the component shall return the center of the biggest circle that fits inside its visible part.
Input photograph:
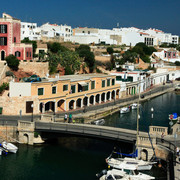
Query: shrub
(9, 73)
(12, 62)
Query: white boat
(10, 147)
(141, 165)
(99, 122)
(124, 110)
(126, 171)
(113, 174)
(134, 106)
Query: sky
(105, 14)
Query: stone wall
(13, 105)
(8, 133)
(39, 68)
(103, 58)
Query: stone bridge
(161, 150)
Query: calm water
(75, 158)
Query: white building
(30, 30)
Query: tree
(55, 47)
(177, 63)
(110, 50)
(12, 62)
(84, 52)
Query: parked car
(169, 81)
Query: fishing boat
(9, 146)
(124, 110)
(173, 116)
(99, 122)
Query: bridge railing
(25, 125)
(158, 130)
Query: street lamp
(152, 110)
(32, 106)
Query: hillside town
(56, 91)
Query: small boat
(141, 165)
(134, 106)
(124, 110)
(9, 146)
(112, 174)
(126, 171)
(99, 122)
(173, 116)
(177, 88)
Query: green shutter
(92, 84)
(103, 83)
(113, 82)
(73, 88)
(65, 87)
(40, 91)
(54, 90)
(108, 82)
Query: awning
(83, 83)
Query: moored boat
(9, 146)
(99, 122)
(134, 106)
(124, 110)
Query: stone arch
(61, 105)
(26, 138)
(50, 106)
(113, 94)
(79, 103)
(91, 100)
(108, 96)
(3, 55)
(85, 101)
(117, 94)
(144, 154)
(103, 97)
(97, 98)
(71, 104)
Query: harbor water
(79, 158)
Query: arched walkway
(113, 94)
(108, 96)
(17, 54)
(2, 55)
(117, 94)
(71, 104)
(97, 98)
(91, 100)
(61, 105)
(50, 106)
(85, 101)
(79, 103)
(103, 97)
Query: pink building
(10, 39)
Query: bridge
(144, 142)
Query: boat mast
(138, 118)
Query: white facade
(30, 30)
(17, 89)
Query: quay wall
(8, 133)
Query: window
(88, 32)
(54, 90)
(65, 87)
(17, 54)
(27, 54)
(14, 39)
(113, 82)
(85, 88)
(118, 78)
(73, 88)
(3, 41)
(30, 54)
(3, 28)
(40, 91)
(92, 84)
(103, 83)
(108, 82)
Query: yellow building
(62, 94)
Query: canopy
(83, 83)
